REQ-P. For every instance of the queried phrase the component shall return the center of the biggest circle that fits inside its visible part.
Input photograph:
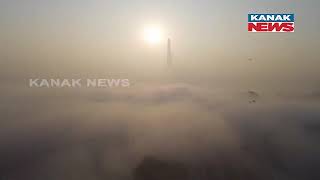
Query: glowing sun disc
(153, 35)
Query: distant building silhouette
(169, 53)
(155, 169)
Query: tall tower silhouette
(169, 53)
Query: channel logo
(270, 22)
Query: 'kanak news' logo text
(271, 22)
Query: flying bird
(253, 95)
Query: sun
(153, 35)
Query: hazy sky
(209, 38)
